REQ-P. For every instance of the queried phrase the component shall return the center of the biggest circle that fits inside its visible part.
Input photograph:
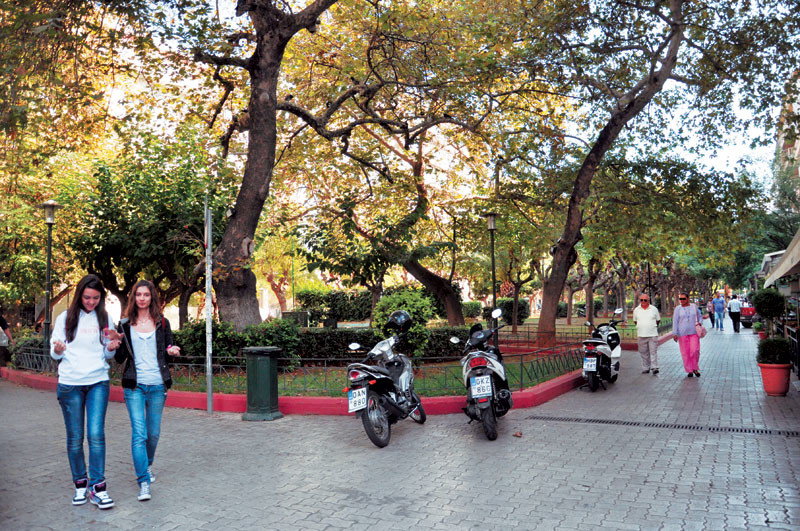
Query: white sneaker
(99, 496)
(150, 473)
(80, 492)
(144, 491)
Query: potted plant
(758, 328)
(769, 304)
(775, 361)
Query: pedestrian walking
(685, 319)
(719, 310)
(710, 310)
(647, 319)
(6, 340)
(145, 351)
(80, 342)
(735, 311)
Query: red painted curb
(312, 405)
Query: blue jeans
(718, 318)
(145, 405)
(89, 402)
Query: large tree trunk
(183, 305)
(440, 287)
(628, 107)
(376, 290)
(234, 282)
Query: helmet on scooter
(399, 322)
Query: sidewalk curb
(312, 405)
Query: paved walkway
(670, 457)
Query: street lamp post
(490, 219)
(49, 208)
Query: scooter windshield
(384, 348)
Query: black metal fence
(327, 377)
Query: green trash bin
(262, 383)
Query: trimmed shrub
(418, 307)
(578, 307)
(770, 304)
(775, 350)
(329, 343)
(472, 309)
(507, 305)
(282, 333)
(227, 342)
(562, 309)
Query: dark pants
(711, 318)
(735, 316)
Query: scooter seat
(373, 368)
(593, 341)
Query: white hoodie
(84, 360)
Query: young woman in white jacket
(79, 341)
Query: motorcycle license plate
(481, 386)
(589, 364)
(356, 399)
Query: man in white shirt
(735, 311)
(647, 320)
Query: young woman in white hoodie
(79, 341)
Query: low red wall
(312, 405)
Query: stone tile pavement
(322, 473)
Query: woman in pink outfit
(684, 319)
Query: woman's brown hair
(75, 307)
(155, 306)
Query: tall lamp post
(49, 208)
(490, 219)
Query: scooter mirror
(454, 340)
(354, 346)
(497, 312)
(618, 311)
(587, 323)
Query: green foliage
(227, 342)
(471, 309)
(418, 307)
(775, 350)
(507, 305)
(339, 305)
(438, 307)
(598, 306)
(282, 333)
(562, 309)
(769, 303)
(758, 326)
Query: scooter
(484, 375)
(381, 389)
(601, 353)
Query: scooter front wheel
(376, 421)
(418, 415)
(489, 421)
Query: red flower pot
(775, 378)
(762, 335)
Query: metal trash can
(262, 383)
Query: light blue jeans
(89, 402)
(718, 318)
(145, 405)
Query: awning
(789, 263)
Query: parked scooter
(488, 395)
(381, 389)
(601, 353)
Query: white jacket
(84, 360)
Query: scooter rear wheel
(592, 381)
(376, 421)
(489, 421)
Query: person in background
(5, 341)
(145, 351)
(710, 309)
(647, 319)
(684, 331)
(80, 342)
(735, 311)
(719, 310)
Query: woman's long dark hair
(131, 310)
(74, 311)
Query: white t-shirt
(646, 321)
(84, 360)
(735, 306)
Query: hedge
(507, 305)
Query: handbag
(699, 328)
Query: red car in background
(749, 316)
